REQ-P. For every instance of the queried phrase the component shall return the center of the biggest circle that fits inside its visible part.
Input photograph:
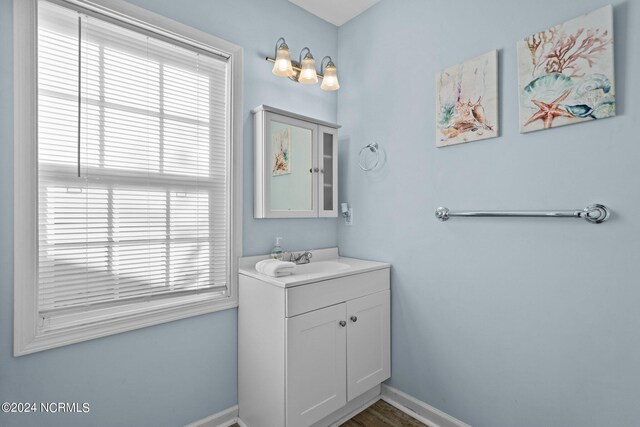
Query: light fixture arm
(322, 64)
(278, 44)
(308, 54)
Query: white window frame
(28, 336)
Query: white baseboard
(418, 409)
(225, 418)
(408, 404)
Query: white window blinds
(133, 168)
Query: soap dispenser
(277, 252)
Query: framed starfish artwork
(565, 73)
(467, 101)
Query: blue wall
(171, 374)
(498, 322)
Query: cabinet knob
(354, 319)
(342, 323)
(321, 170)
(316, 169)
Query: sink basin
(321, 267)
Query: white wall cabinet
(296, 165)
(303, 357)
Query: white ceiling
(335, 11)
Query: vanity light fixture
(307, 74)
(330, 75)
(282, 63)
(303, 71)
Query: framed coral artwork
(467, 101)
(281, 149)
(565, 73)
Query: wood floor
(380, 414)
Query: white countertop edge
(247, 268)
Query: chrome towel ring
(362, 157)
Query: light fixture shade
(330, 80)
(282, 66)
(308, 74)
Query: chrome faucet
(301, 258)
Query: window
(132, 204)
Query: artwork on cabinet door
(565, 73)
(281, 149)
(467, 101)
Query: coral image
(281, 149)
(467, 101)
(565, 73)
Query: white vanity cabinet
(306, 350)
(296, 165)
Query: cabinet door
(368, 342)
(316, 365)
(328, 165)
(289, 167)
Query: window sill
(46, 339)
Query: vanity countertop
(326, 258)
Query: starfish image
(549, 111)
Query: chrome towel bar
(595, 214)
